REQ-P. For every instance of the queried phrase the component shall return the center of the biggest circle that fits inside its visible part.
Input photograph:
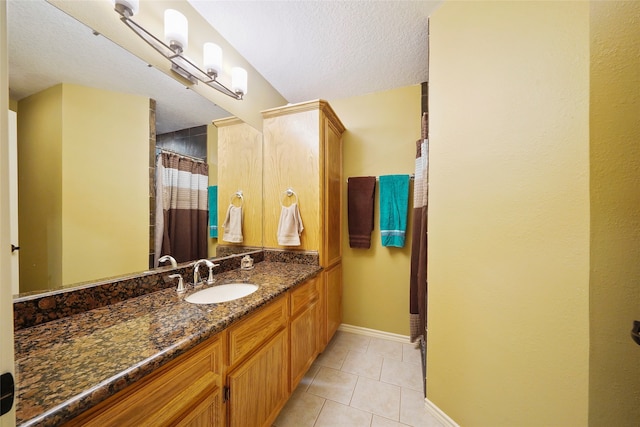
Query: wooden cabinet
(242, 377)
(302, 147)
(258, 387)
(333, 282)
(257, 379)
(240, 169)
(185, 392)
(303, 329)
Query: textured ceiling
(305, 49)
(327, 49)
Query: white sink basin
(222, 293)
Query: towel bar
(237, 194)
(288, 193)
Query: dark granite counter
(65, 366)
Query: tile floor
(360, 381)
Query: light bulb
(176, 29)
(212, 58)
(239, 80)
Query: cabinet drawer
(304, 295)
(167, 396)
(247, 335)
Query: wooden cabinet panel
(240, 168)
(249, 333)
(186, 390)
(333, 278)
(333, 185)
(303, 295)
(303, 329)
(258, 388)
(304, 343)
(292, 160)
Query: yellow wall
(614, 391)
(81, 219)
(382, 129)
(508, 318)
(105, 182)
(40, 189)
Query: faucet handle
(211, 265)
(181, 287)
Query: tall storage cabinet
(302, 146)
(240, 169)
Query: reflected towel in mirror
(233, 225)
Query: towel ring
(286, 194)
(237, 195)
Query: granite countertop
(66, 366)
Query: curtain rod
(195, 159)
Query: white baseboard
(374, 333)
(439, 415)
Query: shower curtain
(418, 282)
(181, 225)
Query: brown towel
(360, 194)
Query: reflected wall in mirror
(86, 146)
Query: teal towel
(213, 211)
(394, 205)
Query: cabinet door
(303, 343)
(333, 184)
(184, 392)
(303, 328)
(292, 160)
(258, 388)
(333, 277)
(207, 414)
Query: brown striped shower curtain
(181, 226)
(418, 282)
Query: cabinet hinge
(227, 394)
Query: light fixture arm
(179, 63)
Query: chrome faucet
(169, 258)
(196, 273)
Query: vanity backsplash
(35, 309)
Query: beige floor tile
(308, 377)
(411, 354)
(377, 397)
(333, 384)
(334, 414)
(385, 348)
(302, 410)
(402, 374)
(332, 357)
(364, 364)
(351, 341)
(379, 421)
(413, 411)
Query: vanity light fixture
(176, 30)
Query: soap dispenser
(246, 263)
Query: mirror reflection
(88, 117)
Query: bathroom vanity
(158, 360)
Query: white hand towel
(290, 226)
(233, 225)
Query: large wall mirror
(88, 100)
